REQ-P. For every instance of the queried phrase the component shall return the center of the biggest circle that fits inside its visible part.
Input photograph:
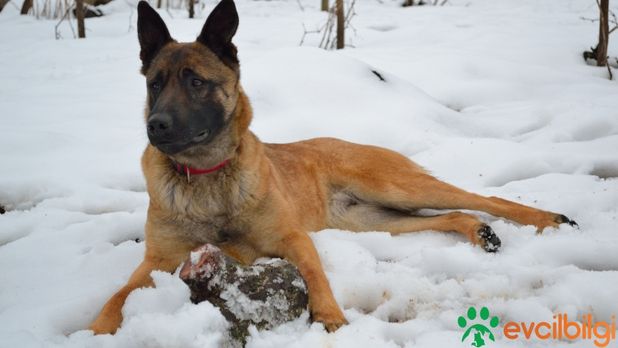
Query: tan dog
(253, 199)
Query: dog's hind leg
(388, 179)
(363, 217)
(422, 191)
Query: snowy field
(491, 95)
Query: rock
(265, 294)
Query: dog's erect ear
(151, 32)
(219, 29)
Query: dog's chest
(214, 230)
(203, 213)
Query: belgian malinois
(211, 180)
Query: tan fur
(269, 196)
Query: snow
(490, 95)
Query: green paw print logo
(480, 330)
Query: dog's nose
(159, 126)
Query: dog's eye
(196, 82)
(155, 86)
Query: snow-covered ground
(491, 95)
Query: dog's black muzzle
(171, 138)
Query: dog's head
(193, 88)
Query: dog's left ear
(219, 29)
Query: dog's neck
(240, 174)
(190, 171)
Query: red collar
(183, 169)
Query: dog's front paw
(332, 319)
(332, 324)
(105, 324)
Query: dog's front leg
(298, 248)
(110, 318)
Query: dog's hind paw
(488, 239)
(562, 219)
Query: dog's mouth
(203, 135)
(174, 147)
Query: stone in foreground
(265, 294)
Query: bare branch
(14, 4)
(130, 16)
(302, 8)
(67, 13)
(305, 32)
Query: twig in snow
(613, 20)
(14, 5)
(593, 53)
(167, 9)
(305, 32)
(329, 40)
(67, 13)
(130, 16)
(300, 5)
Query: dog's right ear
(151, 32)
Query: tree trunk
(79, 13)
(191, 8)
(603, 33)
(324, 5)
(340, 24)
(159, 3)
(26, 6)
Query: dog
(211, 180)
